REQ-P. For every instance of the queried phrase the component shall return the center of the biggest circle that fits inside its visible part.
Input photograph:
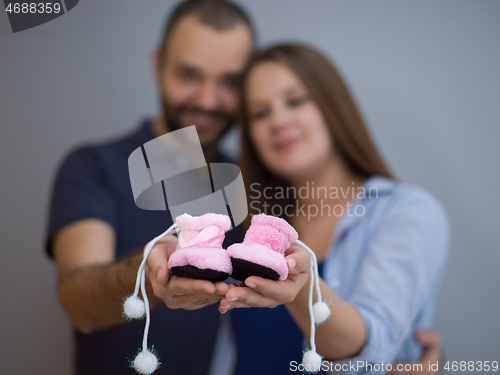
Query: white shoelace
(318, 313)
(146, 361)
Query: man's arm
(92, 282)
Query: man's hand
(431, 353)
(260, 292)
(179, 292)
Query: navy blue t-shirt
(93, 182)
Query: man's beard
(173, 115)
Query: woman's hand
(260, 292)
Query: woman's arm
(400, 269)
(343, 335)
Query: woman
(381, 244)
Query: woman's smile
(286, 144)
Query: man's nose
(206, 97)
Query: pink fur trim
(271, 231)
(262, 255)
(202, 258)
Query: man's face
(199, 76)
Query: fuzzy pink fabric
(207, 229)
(265, 243)
(260, 254)
(200, 242)
(271, 231)
(202, 258)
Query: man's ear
(156, 60)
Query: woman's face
(286, 126)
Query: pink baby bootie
(262, 251)
(199, 254)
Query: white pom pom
(145, 362)
(311, 361)
(321, 312)
(134, 307)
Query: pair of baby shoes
(200, 255)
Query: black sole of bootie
(198, 273)
(243, 269)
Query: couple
(380, 270)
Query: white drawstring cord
(318, 313)
(310, 304)
(134, 308)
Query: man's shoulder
(115, 148)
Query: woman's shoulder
(392, 198)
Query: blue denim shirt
(388, 263)
(387, 259)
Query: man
(97, 234)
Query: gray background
(427, 77)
